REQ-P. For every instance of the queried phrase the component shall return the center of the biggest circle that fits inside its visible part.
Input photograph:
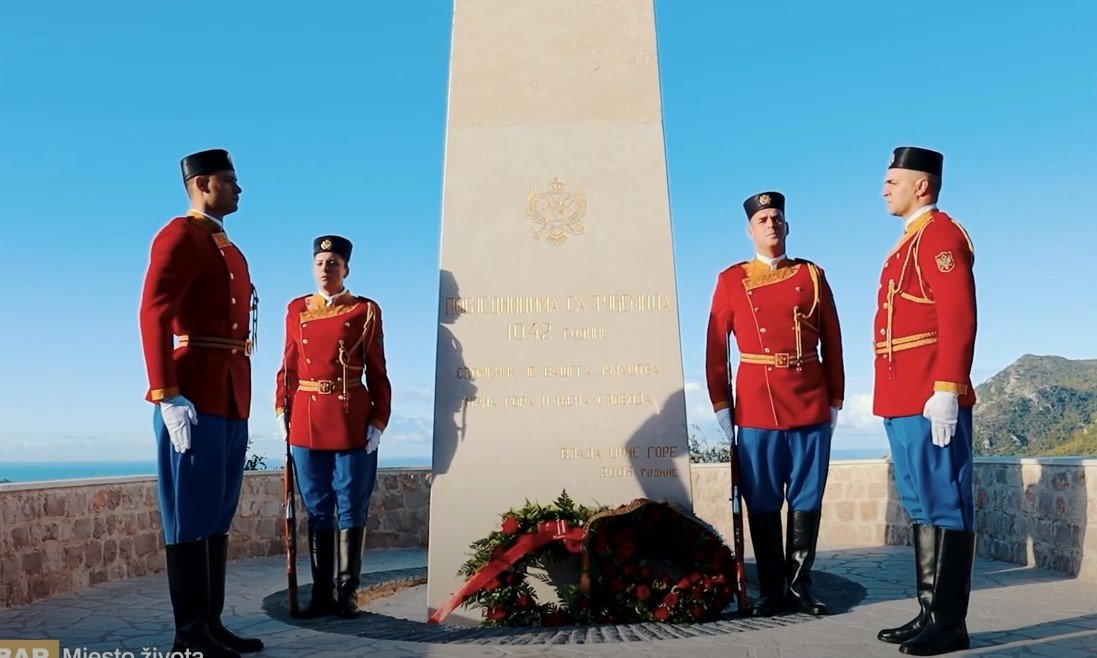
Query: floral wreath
(640, 562)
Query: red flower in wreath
(512, 578)
(625, 551)
(554, 619)
(623, 585)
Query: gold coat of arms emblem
(556, 213)
(945, 263)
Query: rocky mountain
(1038, 406)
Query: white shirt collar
(772, 262)
(917, 213)
(329, 300)
(220, 224)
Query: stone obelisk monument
(559, 361)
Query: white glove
(723, 418)
(178, 414)
(283, 425)
(943, 410)
(373, 438)
(833, 417)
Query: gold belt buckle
(249, 347)
(781, 359)
(326, 386)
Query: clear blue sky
(336, 121)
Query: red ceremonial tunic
(197, 288)
(328, 349)
(780, 318)
(924, 329)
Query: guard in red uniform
(334, 420)
(195, 317)
(924, 341)
(788, 390)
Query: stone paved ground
(1015, 611)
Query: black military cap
(333, 243)
(762, 201)
(205, 162)
(917, 159)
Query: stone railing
(859, 505)
(1038, 511)
(1030, 511)
(64, 536)
(58, 537)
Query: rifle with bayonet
(736, 497)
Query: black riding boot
(218, 563)
(803, 534)
(188, 584)
(350, 570)
(946, 623)
(322, 561)
(765, 534)
(925, 572)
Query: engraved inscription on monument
(559, 362)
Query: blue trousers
(934, 484)
(335, 485)
(779, 465)
(200, 488)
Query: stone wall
(58, 537)
(858, 504)
(1040, 512)
(1030, 511)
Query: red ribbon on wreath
(547, 531)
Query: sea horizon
(23, 472)
(40, 471)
